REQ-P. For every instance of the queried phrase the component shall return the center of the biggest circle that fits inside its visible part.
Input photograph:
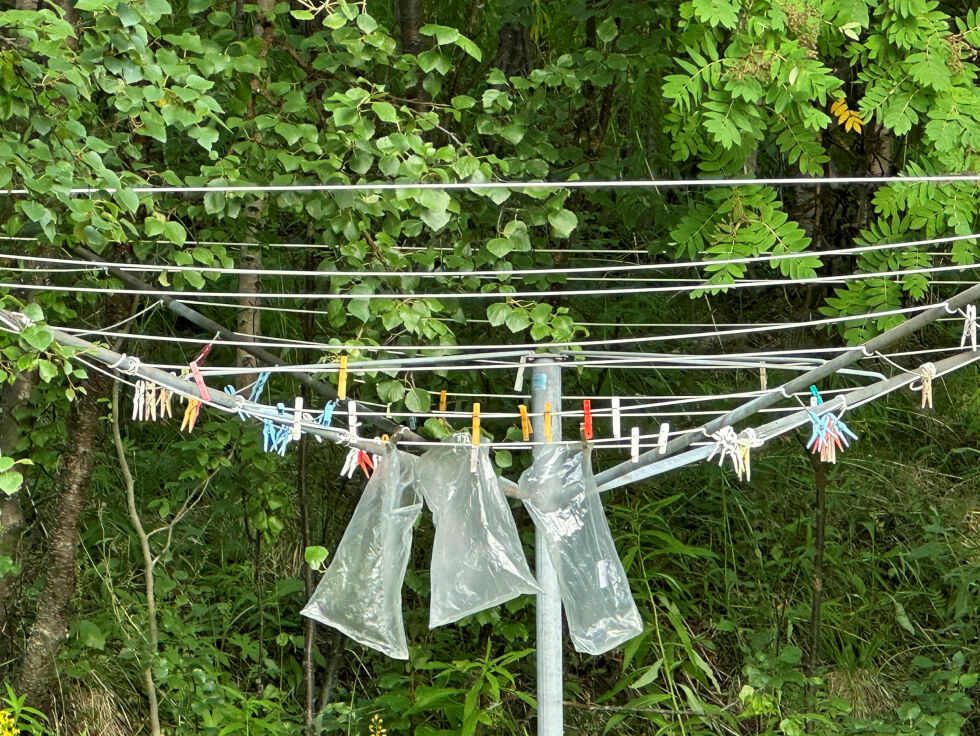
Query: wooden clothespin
(748, 440)
(164, 398)
(526, 430)
(442, 400)
(928, 373)
(616, 424)
(139, 397)
(352, 418)
(969, 327)
(662, 438)
(342, 379)
(190, 415)
(150, 401)
(763, 379)
(547, 422)
(587, 428)
(635, 444)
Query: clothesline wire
(622, 268)
(477, 186)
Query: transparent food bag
(360, 594)
(477, 560)
(559, 492)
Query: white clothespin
(297, 431)
(352, 418)
(617, 428)
(928, 373)
(139, 399)
(150, 401)
(662, 439)
(350, 463)
(969, 326)
(519, 379)
(635, 444)
(726, 446)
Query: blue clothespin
(326, 416)
(239, 401)
(269, 435)
(258, 386)
(816, 394)
(411, 423)
(284, 430)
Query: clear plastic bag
(360, 594)
(477, 560)
(559, 492)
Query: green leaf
(205, 136)
(174, 232)
(10, 482)
(38, 337)
(315, 556)
(500, 247)
(497, 313)
(503, 458)
(443, 34)
(90, 635)
(391, 391)
(607, 30)
(562, 222)
(385, 111)
(417, 400)
(518, 320)
(129, 199)
(47, 370)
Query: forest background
(829, 599)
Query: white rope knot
(132, 369)
(928, 373)
(969, 326)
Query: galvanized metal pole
(545, 390)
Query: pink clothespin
(195, 366)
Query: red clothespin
(195, 366)
(365, 462)
(587, 416)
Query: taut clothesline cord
(703, 286)
(489, 185)
(140, 267)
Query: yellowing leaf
(838, 107)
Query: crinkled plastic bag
(361, 592)
(559, 492)
(477, 560)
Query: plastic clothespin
(442, 401)
(352, 418)
(326, 416)
(928, 373)
(662, 438)
(190, 415)
(297, 429)
(475, 435)
(816, 395)
(726, 446)
(195, 366)
(748, 440)
(519, 378)
(526, 429)
(342, 379)
(350, 463)
(258, 386)
(969, 326)
(587, 429)
(617, 426)
(365, 462)
(139, 397)
(284, 430)
(547, 422)
(635, 444)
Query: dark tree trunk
(50, 628)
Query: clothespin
(297, 428)
(969, 326)
(412, 424)
(139, 397)
(662, 439)
(352, 418)
(257, 387)
(547, 422)
(195, 366)
(232, 391)
(164, 397)
(365, 462)
(350, 463)
(190, 415)
(475, 440)
(587, 417)
(342, 379)
(284, 431)
(727, 446)
(763, 379)
(928, 373)
(816, 394)
(635, 444)
(748, 440)
(617, 428)
(525, 423)
(519, 378)
(442, 400)
(269, 435)
(150, 401)
(326, 416)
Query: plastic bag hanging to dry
(360, 594)
(560, 493)
(477, 560)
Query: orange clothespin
(525, 423)
(587, 416)
(342, 379)
(365, 463)
(476, 424)
(442, 401)
(547, 422)
(190, 415)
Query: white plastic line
(632, 291)
(139, 267)
(488, 185)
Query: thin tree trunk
(309, 625)
(248, 316)
(11, 512)
(38, 672)
(819, 529)
(149, 563)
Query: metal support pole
(546, 389)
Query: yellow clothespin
(190, 415)
(442, 401)
(342, 379)
(547, 422)
(476, 424)
(525, 423)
